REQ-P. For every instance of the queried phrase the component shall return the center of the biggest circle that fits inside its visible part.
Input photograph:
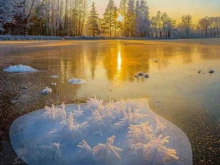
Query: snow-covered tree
(203, 25)
(93, 21)
(6, 14)
(161, 25)
(185, 26)
(142, 18)
(23, 10)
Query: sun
(120, 18)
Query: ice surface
(76, 81)
(19, 68)
(116, 132)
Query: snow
(54, 76)
(76, 81)
(92, 133)
(19, 69)
(46, 91)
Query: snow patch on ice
(19, 69)
(54, 76)
(46, 91)
(76, 81)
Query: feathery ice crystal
(107, 151)
(96, 119)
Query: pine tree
(130, 25)
(109, 20)
(123, 12)
(93, 21)
(138, 18)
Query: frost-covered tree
(203, 25)
(6, 14)
(108, 20)
(142, 18)
(93, 21)
(23, 10)
(161, 25)
(185, 26)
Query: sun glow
(120, 18)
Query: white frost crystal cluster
(83, 130)
(101, 152)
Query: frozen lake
(175, 89)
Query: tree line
(80, 18)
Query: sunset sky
(175, 8)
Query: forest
(80, 18)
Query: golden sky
(175, 8)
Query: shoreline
(51, 38)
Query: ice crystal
(72, 125)
(142, 133)
(57, 151)
(51, 112)
(78, 112)
(160, 126)
(63, 110)
(106, 151)
(129, 119)
(86, 152)
(94, 103)
(55, 112)
(155, 151)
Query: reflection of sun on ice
(120, 18)
(119, 60)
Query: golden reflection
(119, 59)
